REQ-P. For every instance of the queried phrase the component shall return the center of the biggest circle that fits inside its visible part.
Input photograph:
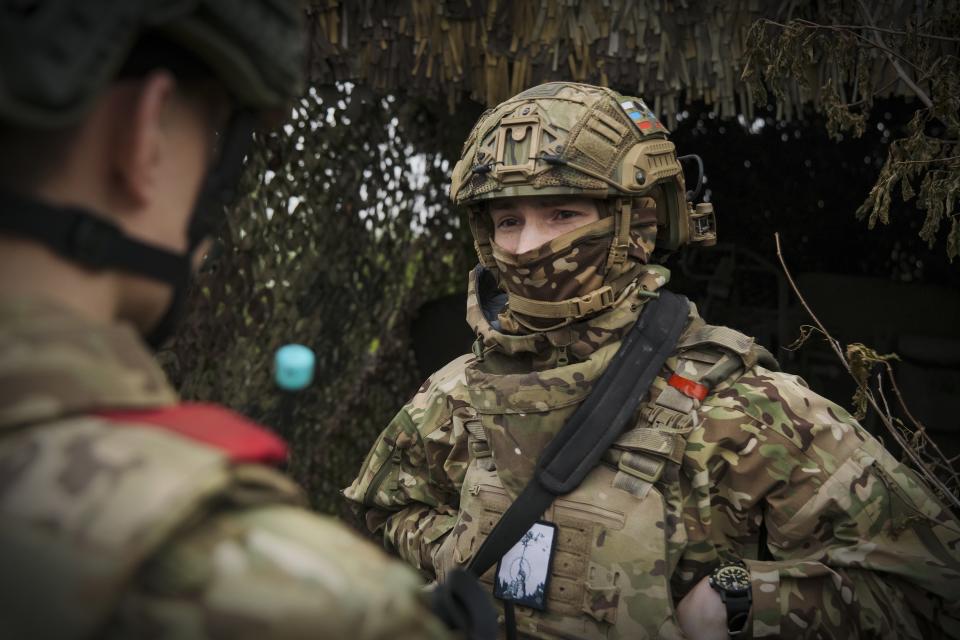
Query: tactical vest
(90, 498)
(610, 575)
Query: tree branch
(895, 32)
(863, 27)
(924, 98)
(885, 417)
(845, 29)
(944, 159)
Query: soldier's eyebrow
(561, 201)
(545, 202)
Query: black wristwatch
(732, 581)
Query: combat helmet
(564, 138)
(58, 56)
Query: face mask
(566, 267)
(573, 275)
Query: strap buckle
(593, 302)
(617, 254)
(479, 448)
(621, 236)
(644, 467)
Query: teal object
(293, 367)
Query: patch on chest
(523, 573)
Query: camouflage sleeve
(409, 485)
(416, 533)
(274, 572)
(861, 546)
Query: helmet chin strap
(218, 189)
(86, 239)
(92, 241)
(167, 325)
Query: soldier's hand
(702, 614)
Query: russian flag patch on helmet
(641, 115)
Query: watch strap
(737, 602)
(738, 611)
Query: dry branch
(937, 462)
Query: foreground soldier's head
(570, 187)
(126, 513)
(122, 125)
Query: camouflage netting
(345, 230)
(325, 250)
(674, 52)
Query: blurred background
(835, 124)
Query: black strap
(595, 424)
(92, 241)
(738, 611)
(87, 239)
(510, 619)
(220, 184)
(462, 604)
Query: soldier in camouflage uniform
(124, 513)
(728, 460)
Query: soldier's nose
(530, 238)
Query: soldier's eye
(568, 214)
(505, 223)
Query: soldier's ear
(141, 139)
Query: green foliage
(841, 57)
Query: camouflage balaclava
(568, 139)
(573, 273)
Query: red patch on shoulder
(241, 439)
(688, 387)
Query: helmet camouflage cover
(564, 138)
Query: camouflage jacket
(841, 540)
(115, 528)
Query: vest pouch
(608, 577)
(601, 603)
(482, 501)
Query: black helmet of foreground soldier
(568, 139)
(59, 57)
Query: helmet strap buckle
(621, 234)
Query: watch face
(732, 579)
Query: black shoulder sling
(592, 429)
